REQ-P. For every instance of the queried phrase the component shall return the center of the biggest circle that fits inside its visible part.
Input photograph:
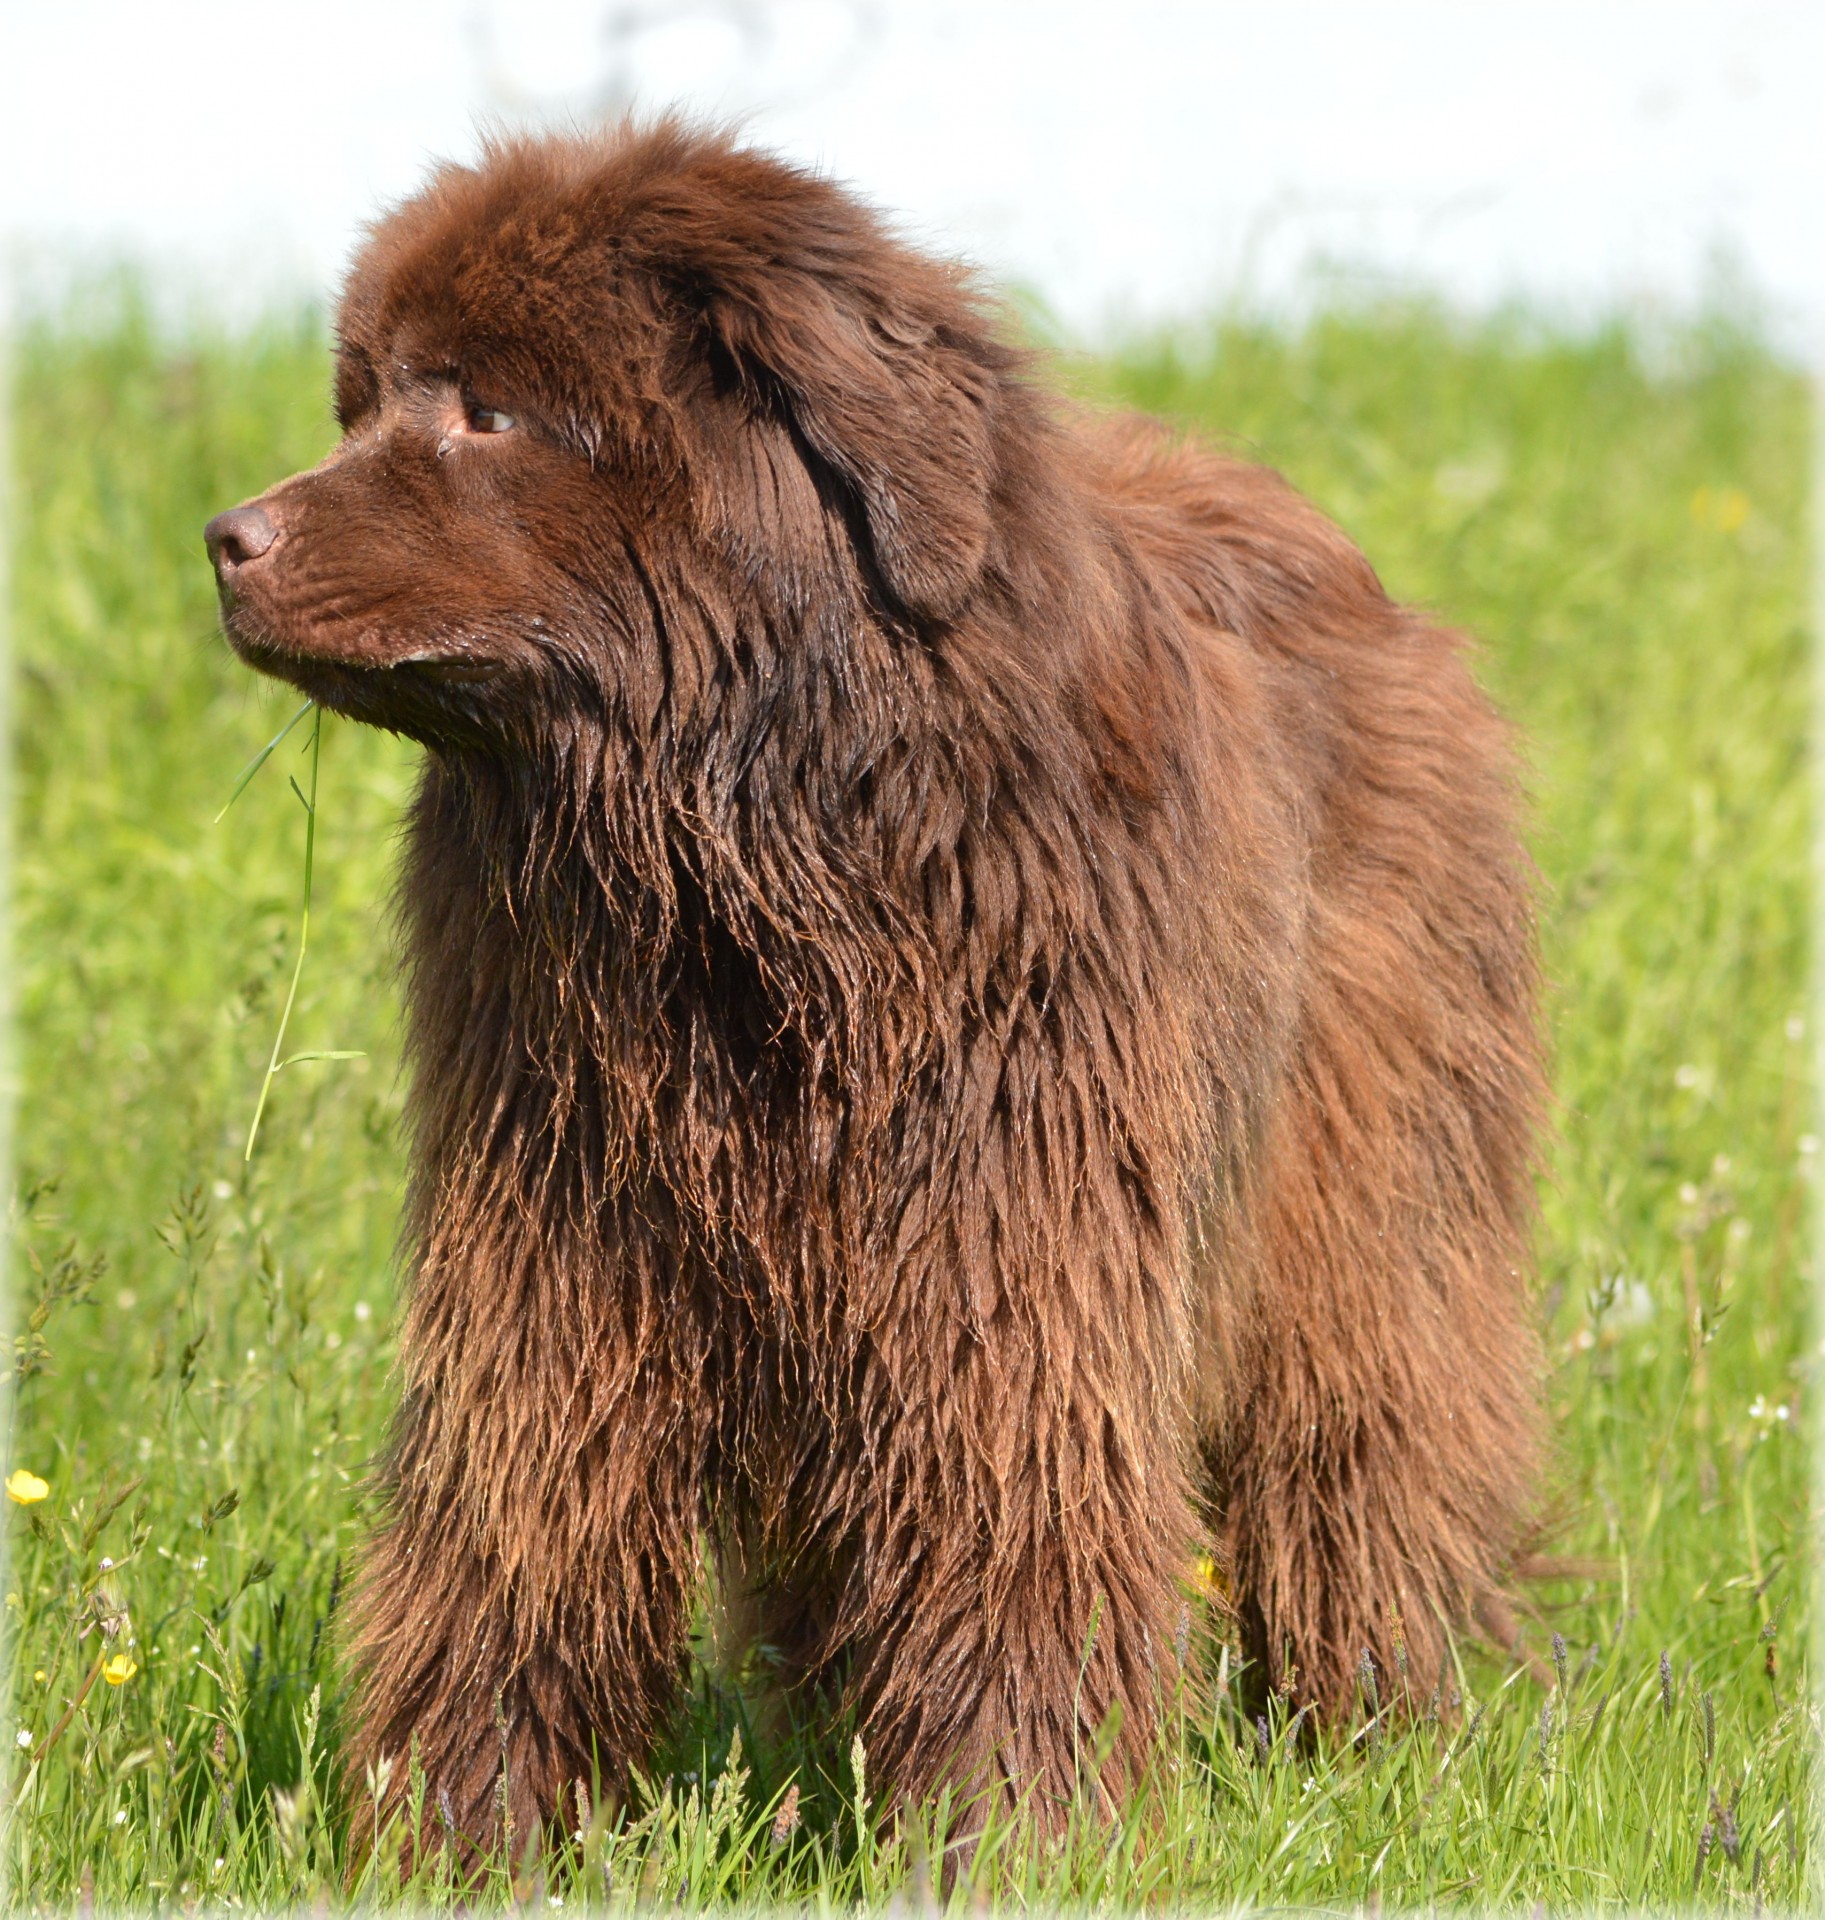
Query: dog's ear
(895, 406)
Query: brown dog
(971, 1003)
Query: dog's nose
(237, 536)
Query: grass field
(202, 1346)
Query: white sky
(1130, 162)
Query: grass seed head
(785, 1821)
(1365, 1672)
(1729, 1836)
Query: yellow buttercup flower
(120, 1670)
(1725, 508)
(1207, 1579)
(25, 1487)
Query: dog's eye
(489, 419)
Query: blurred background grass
(203, 1346)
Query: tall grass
(202, 1342)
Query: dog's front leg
(1018, 1596)
(523, 1611)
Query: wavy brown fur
(971, 1002)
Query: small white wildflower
(220, 1863)
(252, 1356)
(120, 1817)
(362, 1310)
(1758, 1408)
(1634, 1304)
(223, 1191)
(107, 1565)
(1685, 1076)
(199, 1563)
(23, 1738)
(1783, 1412)
(1688, 1194)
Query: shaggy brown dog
(971, 1002)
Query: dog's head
(608, 406)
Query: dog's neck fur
(649, 997)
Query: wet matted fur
(971, 1002)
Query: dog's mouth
(428, 692)
(364, 662)
(456, 669)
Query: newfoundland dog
(970, 985)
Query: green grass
(204, 1345)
